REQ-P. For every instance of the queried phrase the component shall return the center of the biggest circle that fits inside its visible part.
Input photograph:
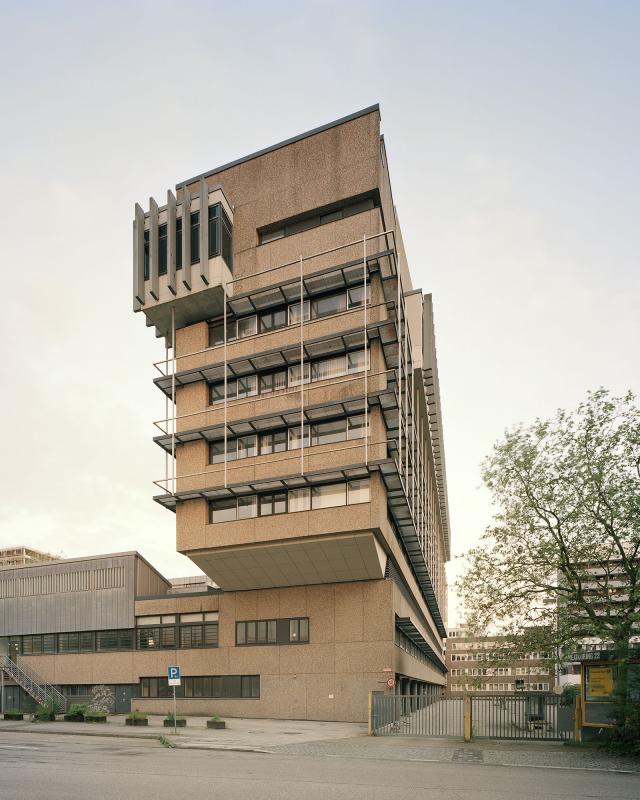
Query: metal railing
(526, 716)
(416, 715)
(33, 684)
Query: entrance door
(124, 693)
(14, 648)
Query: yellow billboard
(600, 681)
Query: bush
(569, 694)
(47, 712)
(78, 710)
(215, 718)
(136, 715)
(625, 738)
(170, 717)
(12, 711)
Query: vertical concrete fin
(204, 231)
(153, 249)
(138, 258)
(186, 237)
(171, 242)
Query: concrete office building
(472, 666)
(15, 556)
(303, 434)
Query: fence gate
(522, 716)
(416, 715)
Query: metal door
(520, 716)
(124, 693)
(416, 715)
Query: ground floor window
(223, 686)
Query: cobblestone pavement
(530, 754)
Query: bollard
(467, 718)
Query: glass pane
(271, 631)
(304, 630)
(196, 617)
(271, 320)
(195, 237)
(294, 437)
(241, 636)
(328, 496)
(299, 499)
(216, 452)
(271, 236)
(108, 640)
(328, 432)
(279, 441)
(356, 361)
(280, 503)
(331, 304)
(247, 446)
(293, 630)
(248, 326)
(355, 295)
(247, 386)
(251, 632)
(247, 507)
(125, 640)
(294, 374)
(294, 312)
(329, 368)
(216, 393)
(223, 510)
(211, 635)
(358, 491)
(356, 427)
(261, 636)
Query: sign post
(173, 676)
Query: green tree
(561, 560)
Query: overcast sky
(513, 134)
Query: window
(260, 632)
(250, 686)
(179, 243)
(273, 381)
(247, 326)
(195, 237)
(298, 630)
(216, 332)
(107, 640)
(275, 442)
(328, 496)
(328, 368)
(317, 217)
(356, 294)
(195, 636)
(295, 437)
(216, 451)
(231, 686)
(295, 372)
(162, 249)
(358, 491)
(223, 510)
(247, 446)
(356, 361)
(294, 312)
(68, 643)
(247, 507)
(299, 500)
(214, 231)
(329, 304)
(272, 320)
(226, 239)
(274, 503)
(49, 643)
(272, 631)
(87, 644)
(328, 432)
(156, 638)
(356, 427)
(146, 255)
(247, 386)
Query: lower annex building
(304, 452)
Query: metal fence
(526, 716)
(416, 715)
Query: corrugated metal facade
(71, 595)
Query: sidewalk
(240, 734)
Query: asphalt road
(34, 766)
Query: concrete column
(138, 258)
(186, 238)
(171, 242)
(204, 231)
(153, 249)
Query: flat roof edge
(355, 115)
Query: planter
(136, 722)
(95, 719)
(15, 717)
(180, 723)
(217, 724)
(73, 718)
(46, 718)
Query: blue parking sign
(173, 674)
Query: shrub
(46, 711)
(78, 710)
(102, 698)
(569, 694)
(215, 718)
(12, 711)
(170, 717)
(136, 715)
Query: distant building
(21, 555)
(468, 659)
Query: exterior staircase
(33, 684)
